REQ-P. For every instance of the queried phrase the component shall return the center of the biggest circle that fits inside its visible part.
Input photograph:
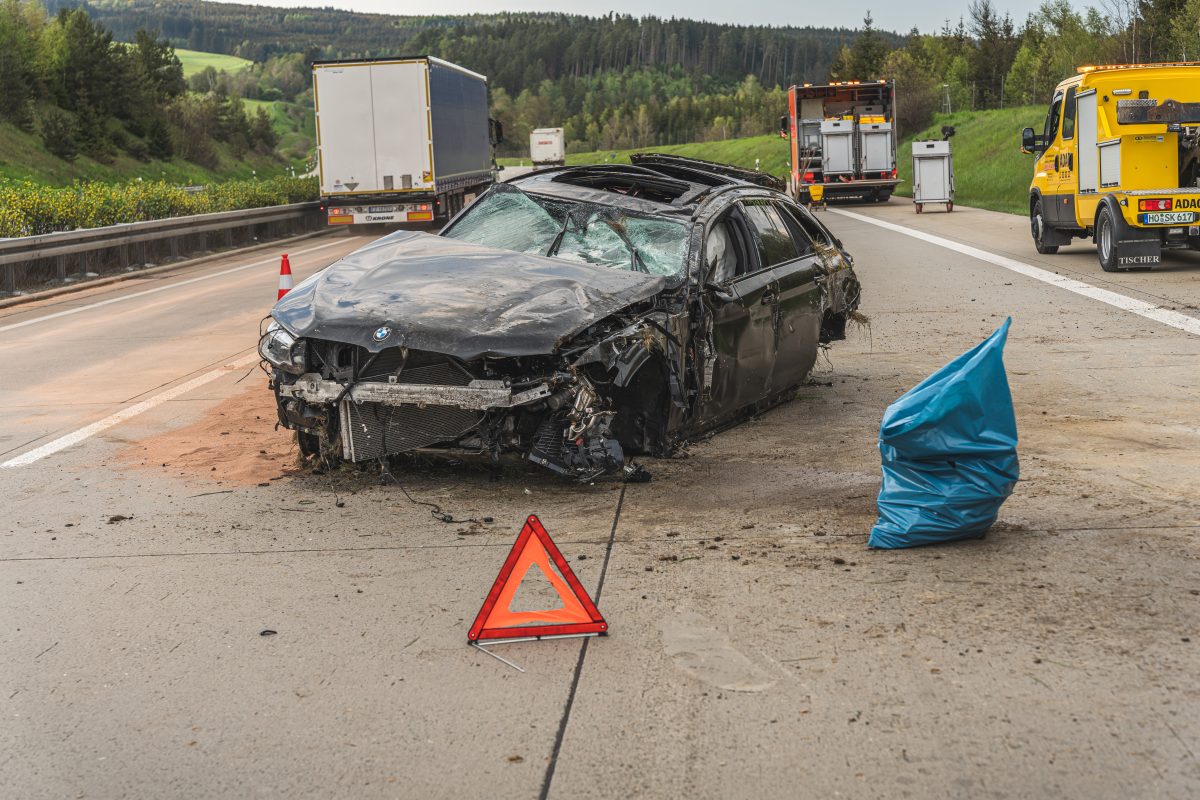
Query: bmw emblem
(382, 333)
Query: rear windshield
(510, 219)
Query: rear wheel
(949, 206)
(1106, 240)
(1037, 226)
(920, 208)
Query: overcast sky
(928, 15)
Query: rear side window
(775, 243)
(805, 220)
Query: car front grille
(373, 430)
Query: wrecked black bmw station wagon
(571, 317)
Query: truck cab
(1117, 162)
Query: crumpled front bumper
(478, 395)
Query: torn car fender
(625, 351)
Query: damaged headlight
(283, 350)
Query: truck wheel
(1037, 226)
(949, 206)
(920, 207)
(1106, 240)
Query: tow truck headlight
(1154, 205)
(282, 349)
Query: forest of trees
(515, 51)
(65, 78)
(613, 82)
(987, 60)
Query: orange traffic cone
(285, 277)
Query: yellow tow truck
(1118, 161)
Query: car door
(803, 284)
(1048, 161)
(793, 264)
(739, 300)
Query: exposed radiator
(372, 430)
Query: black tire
(1106, 239)
(1037, 227)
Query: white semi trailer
(401, 139)
(546, 147)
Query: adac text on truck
(843, 138)
(401, 140)
(1118, 161)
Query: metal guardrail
(35, 262)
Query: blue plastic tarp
(949, 448)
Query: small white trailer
(933, 174)
(400, 139)
(546, 148)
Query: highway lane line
(157, 289)
(75, 437)
(1143, 309)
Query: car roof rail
(698, 165)
(624, 179)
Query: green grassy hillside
(990, 171)
(194, 61)
(295, 124)
(23, 157)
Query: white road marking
(155, 290)
(1143, 309)
(75, 437)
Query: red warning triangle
(497, 620)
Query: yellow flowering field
(28, 209)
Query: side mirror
(496, 129)
(1030, 141)
(784, 126)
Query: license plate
(381, 209)
(1167, 218)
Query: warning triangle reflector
(577, 616)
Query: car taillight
(809, 177)
(1154, 205)
(894, 172)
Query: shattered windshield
(584, 232)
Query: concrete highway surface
(156, 530)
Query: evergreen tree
(867, 52)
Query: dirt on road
(233, 443)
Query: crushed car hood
(457, 298)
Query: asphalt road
(154, 527)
